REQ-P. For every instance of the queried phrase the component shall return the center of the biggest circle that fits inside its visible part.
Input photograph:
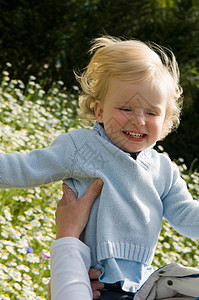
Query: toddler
(131, 90)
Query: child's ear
(98, 110)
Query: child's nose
(138, 118)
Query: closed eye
(125, 109)
(153, 113)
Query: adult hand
(72, 214)
(96, 285)
(71, 218)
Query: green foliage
(31, 118)
(49, 39)
(31, 37)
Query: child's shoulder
(81, 132)
(163, 159)
(160, 155)
(82, 136)
(76, 133)
(75, 138)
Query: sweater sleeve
(70, 262)
(180, 209)
(38, 167)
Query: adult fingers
(68, 196)
(94, 273)
(96, 285)
(93, 191)
(96, 294)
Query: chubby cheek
(157, 128)
(117, 117)
(111, 127)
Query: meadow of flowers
(31, 118)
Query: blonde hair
(135, 62)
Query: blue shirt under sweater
(126, 219)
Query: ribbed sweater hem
(126, 251)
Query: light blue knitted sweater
(126, 219)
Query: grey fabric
(171, 281)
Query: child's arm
(39, 166)
(180, 209)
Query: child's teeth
(134, 134)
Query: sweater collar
(100, 130)
(143, 157)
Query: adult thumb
(93, 191)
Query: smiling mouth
(134, 135)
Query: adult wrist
(67, 233)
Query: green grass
(31, 118)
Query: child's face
(133, 115)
